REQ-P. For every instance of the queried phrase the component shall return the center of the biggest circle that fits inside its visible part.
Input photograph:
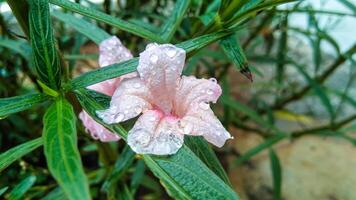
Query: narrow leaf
(183, 175)
(206, 154)
(276, 173)
(317, 89)
(81, 25)
(108, 19)
(61, 151)
(137, 176)
(15, 153)
(103, 73)
(257, 149)
(19, 46)
(174, 20)
(19, 103)
(121, 166)
(45, 56)
(234, 52)
(3, 190)
(122, 68)
(21, 188)
(236, 105)
(56, 194)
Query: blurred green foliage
(227, 39)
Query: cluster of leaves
(39, 79)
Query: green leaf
(47, 90)
(21, 188)
(45, 56)
(174, 20)
(257, 149)
(126, 67)
(282, 50)
(351, 6)
(317, 89)
(15, 153)
(56, 194)
(108, 19)
(252, 8)
(19, 103)
(19, 46)
(61, 151)
(19, 9)
(121, 166)
(137, 176)
(193, 45)
(246, 110)
(81, 25)
(183, 175)
(201, 148)
(102, 74)
(277, 174)
(234, 52)
(3, 190)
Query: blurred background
(294, 125)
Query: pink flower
(111, 51)
(172, 105)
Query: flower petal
(96, 130)
(112, 51)
(155, 134)
(195, 93)
(130, 99)
(203, 122)
(160, 67)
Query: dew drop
(119, 117)
(137, 85)
(213, 80)
(209, 91)
(127, 55)
(204, 105)
(142, 137)
(171, 53)
(154, 58)
(137, 109)
(126, 111)
(153, 118)
(149, 46)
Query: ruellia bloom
(111, 51)
(172, 105)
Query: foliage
(42, 92)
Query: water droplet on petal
(210, 92)
(171, 53)
(138, 109)
(119, 117)
(142, 137)
(204, 105)
(153, 118)
(137, 85)
(126, 111)
(149, 46)
(154, 58)
(213, 80)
